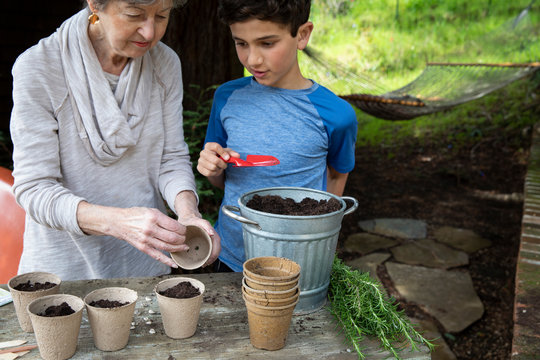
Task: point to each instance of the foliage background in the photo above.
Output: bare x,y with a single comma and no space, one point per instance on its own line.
390,41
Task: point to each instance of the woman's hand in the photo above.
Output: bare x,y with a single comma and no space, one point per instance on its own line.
185,205
148,230
216,240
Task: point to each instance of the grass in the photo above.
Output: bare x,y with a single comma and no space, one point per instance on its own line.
392,51
511,107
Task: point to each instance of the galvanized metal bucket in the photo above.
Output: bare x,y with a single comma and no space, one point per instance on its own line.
310,241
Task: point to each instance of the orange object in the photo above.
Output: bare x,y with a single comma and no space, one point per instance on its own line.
18,349
11,228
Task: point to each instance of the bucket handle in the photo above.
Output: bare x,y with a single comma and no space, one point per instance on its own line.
353,207
228,210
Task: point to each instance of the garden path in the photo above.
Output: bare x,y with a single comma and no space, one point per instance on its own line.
426,268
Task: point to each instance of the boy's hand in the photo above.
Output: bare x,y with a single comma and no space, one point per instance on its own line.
211,159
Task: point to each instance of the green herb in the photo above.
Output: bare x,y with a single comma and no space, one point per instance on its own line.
363,309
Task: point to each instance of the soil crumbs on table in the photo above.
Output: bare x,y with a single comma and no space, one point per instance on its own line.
477,187
58,310
27,286
274,204
182,290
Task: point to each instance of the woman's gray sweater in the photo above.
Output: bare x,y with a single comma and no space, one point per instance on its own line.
54,171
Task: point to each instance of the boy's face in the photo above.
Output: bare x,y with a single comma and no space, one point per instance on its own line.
269,52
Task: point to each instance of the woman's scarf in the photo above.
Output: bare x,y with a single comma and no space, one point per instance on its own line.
108,123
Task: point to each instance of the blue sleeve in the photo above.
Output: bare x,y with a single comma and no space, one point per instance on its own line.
341,126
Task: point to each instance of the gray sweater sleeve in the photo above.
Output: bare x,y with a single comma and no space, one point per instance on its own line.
39,93
176,173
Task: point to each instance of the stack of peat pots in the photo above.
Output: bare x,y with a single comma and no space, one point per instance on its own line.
270,290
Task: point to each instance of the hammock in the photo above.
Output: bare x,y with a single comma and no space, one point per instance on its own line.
445,84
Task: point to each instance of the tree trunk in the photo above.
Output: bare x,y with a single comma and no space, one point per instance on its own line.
204,44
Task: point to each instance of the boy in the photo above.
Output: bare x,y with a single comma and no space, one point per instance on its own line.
275,112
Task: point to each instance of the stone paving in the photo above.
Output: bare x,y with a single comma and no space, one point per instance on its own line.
429,270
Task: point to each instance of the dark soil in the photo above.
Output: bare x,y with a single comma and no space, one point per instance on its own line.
58,310
477,187
274,204
27,286
183,290
107,303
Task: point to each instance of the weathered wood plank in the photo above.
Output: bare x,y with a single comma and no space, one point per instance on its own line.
222,332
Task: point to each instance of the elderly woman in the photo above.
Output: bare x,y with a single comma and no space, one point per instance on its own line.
98,146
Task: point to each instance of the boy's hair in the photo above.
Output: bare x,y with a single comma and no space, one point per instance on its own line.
292,13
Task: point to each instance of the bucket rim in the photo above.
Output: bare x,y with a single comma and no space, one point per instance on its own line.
243,205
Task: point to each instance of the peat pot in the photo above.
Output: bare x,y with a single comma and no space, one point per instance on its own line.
111,325
310,241
21,299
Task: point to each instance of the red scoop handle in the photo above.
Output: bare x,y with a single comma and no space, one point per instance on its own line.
253,160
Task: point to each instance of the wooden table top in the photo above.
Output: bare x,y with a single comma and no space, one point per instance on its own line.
222,332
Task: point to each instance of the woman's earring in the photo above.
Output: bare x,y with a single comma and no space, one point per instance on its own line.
93,19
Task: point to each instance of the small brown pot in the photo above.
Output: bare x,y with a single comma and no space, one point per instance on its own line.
21,299
269,327
269,302
272,285
269,294
271,269
179,316
57,336
111,326
200,249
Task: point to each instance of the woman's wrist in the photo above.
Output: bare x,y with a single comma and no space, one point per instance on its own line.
93,219
185,205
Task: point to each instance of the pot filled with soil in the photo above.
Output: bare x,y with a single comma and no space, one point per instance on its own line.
179,301
296,223
200,249
56,320
110,312
25,288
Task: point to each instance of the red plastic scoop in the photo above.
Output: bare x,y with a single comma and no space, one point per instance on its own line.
253,160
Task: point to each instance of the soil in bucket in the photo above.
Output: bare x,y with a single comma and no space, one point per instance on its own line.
275,204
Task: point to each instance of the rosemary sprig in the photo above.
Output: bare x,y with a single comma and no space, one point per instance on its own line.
362,309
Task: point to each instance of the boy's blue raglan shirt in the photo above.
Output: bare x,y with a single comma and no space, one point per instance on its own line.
305,129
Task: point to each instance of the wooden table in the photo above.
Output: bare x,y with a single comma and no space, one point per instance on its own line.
222,332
